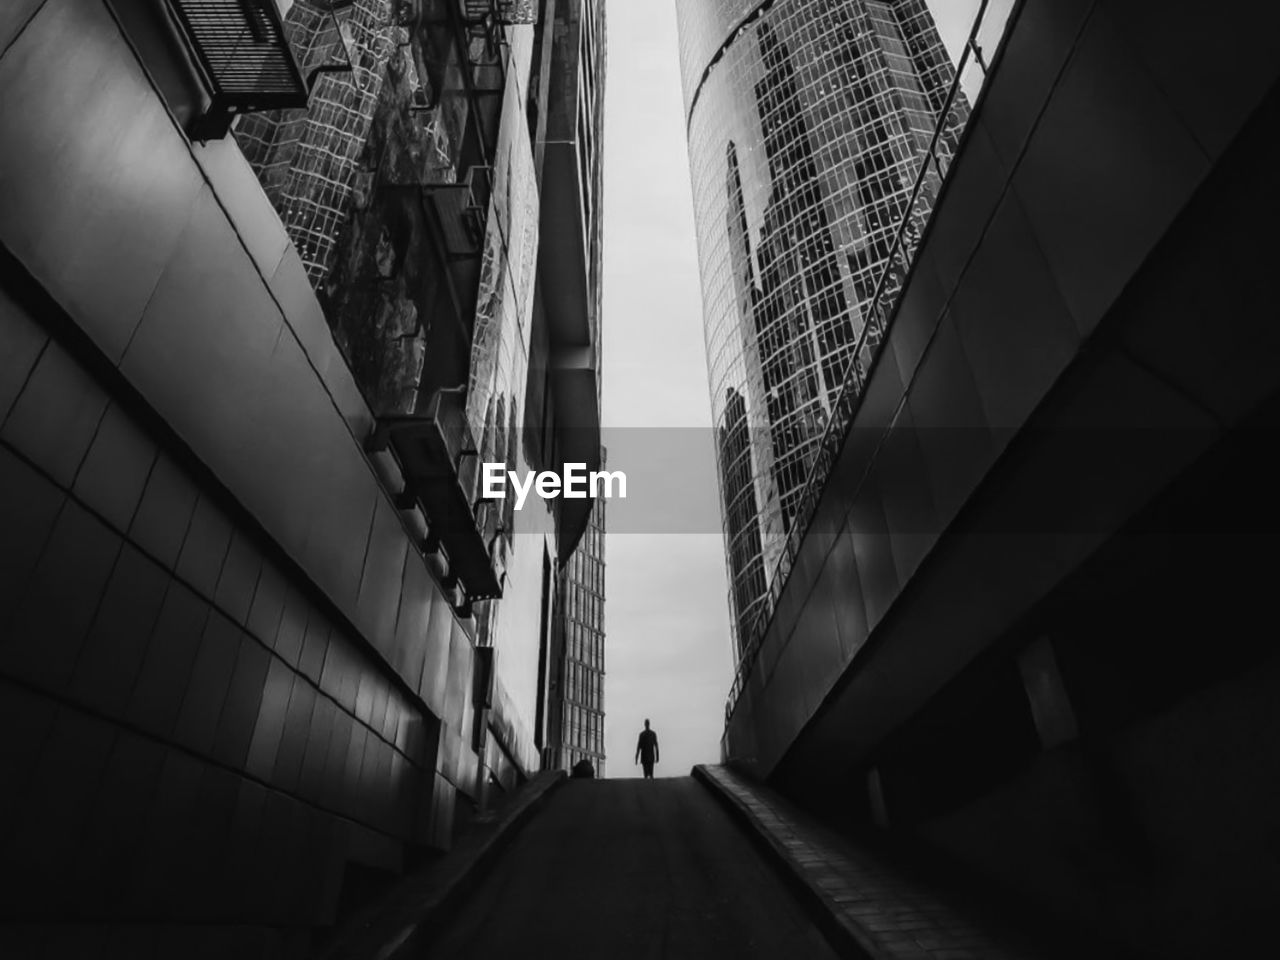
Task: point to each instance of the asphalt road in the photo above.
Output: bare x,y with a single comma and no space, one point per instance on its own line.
618,869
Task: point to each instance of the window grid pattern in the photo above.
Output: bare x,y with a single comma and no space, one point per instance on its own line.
582,708
592,67
307,159
806,139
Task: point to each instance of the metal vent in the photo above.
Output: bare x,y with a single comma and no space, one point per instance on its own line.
241,50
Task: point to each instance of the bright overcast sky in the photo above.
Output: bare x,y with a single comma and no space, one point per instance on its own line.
666,616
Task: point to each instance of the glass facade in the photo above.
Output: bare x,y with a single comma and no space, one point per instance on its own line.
809,123
417,187
581,668
309,160
498,370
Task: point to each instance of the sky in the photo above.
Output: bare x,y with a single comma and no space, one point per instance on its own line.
668,648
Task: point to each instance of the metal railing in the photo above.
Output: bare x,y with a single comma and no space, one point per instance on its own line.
504,12
878,314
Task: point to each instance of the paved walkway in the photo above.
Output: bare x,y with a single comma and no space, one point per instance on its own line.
394,927
624,869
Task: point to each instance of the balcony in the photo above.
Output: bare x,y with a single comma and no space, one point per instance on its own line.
438,456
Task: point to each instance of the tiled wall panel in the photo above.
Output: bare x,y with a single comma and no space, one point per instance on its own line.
13,16
214,328
105,243
1097,211
1214,82
214,653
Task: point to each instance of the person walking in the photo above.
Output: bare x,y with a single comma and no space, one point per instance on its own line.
647,750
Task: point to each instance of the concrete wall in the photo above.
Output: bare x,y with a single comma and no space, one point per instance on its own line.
1087,318
1087,143
232,687
1144,812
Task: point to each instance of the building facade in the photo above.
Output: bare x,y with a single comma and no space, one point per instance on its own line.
309,159
808,123
985,639
263,643
567,117
578,710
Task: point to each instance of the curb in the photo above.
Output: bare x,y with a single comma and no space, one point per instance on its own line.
404,925
845,939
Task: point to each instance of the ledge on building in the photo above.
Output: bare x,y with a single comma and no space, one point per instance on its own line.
436,453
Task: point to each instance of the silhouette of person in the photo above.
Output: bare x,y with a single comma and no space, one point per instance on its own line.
647,750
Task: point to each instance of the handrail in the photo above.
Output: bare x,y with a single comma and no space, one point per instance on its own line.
845,408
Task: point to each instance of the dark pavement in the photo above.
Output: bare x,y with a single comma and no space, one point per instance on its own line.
631,868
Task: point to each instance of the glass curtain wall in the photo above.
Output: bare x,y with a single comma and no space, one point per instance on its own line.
815,130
